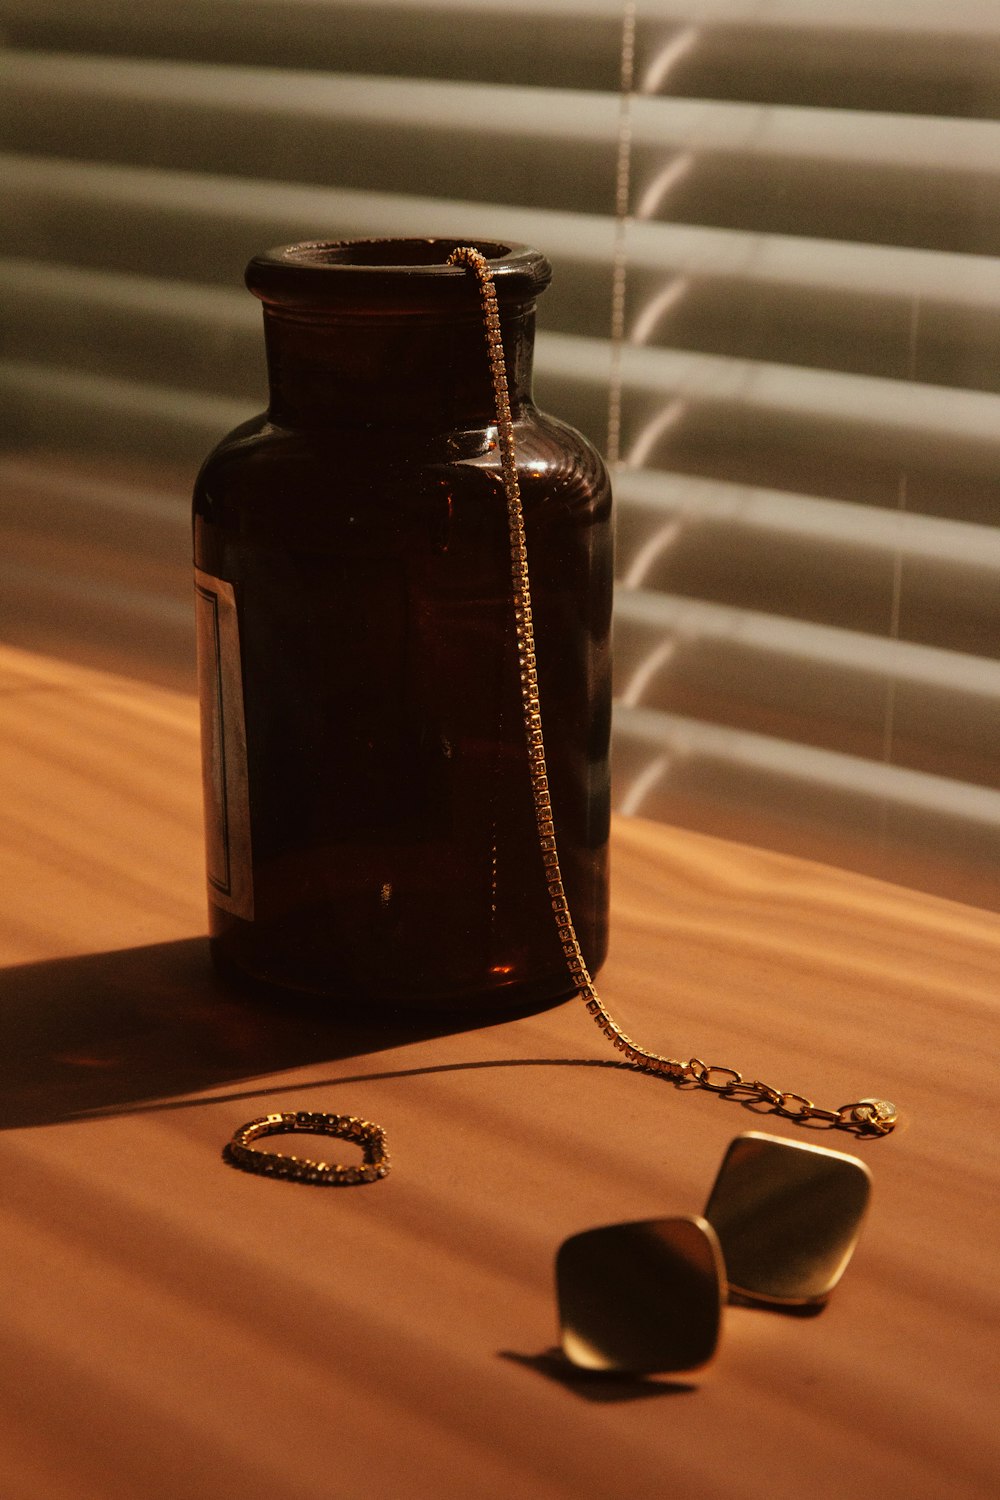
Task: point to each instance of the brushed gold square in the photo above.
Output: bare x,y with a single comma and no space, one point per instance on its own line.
788,1215
641,1298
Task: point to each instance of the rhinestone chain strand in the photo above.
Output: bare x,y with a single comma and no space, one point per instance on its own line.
862,1116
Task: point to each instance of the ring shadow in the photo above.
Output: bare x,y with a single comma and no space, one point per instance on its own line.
110,1030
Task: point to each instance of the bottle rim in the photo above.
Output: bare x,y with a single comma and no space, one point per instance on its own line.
391,270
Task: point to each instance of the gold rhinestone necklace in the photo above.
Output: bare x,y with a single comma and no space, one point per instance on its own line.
862,1116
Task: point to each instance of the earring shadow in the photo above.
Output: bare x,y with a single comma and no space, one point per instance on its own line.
783,1309
111,1030
596,1385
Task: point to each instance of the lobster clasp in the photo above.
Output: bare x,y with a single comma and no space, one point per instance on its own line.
876,1116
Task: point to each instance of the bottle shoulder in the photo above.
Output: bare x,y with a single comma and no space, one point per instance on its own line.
566,455
261,448
262,470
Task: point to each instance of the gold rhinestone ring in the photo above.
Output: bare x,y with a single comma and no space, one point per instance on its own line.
241,1151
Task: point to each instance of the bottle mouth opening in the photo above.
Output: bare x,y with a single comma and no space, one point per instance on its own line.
390,254
319,272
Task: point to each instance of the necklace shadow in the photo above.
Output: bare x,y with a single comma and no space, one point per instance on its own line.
108,1032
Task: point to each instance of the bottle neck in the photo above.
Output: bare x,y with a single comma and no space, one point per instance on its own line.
383,368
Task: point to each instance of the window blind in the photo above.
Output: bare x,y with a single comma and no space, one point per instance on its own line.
807,653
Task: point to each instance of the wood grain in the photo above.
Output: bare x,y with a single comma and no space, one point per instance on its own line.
173,1328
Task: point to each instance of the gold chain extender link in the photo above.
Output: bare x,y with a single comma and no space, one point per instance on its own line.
862,1116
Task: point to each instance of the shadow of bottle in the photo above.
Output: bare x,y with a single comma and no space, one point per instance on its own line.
110,1030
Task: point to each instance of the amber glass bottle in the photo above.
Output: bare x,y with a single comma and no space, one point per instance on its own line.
369,816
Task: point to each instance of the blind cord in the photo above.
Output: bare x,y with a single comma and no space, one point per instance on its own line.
619,261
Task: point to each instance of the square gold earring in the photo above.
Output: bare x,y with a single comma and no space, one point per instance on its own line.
641,1298
788,1215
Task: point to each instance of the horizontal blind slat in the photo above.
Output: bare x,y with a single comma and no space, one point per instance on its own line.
655,498
799,59
71,408
978,17
532,41
652,613
791,761
920,413
858,19
514,112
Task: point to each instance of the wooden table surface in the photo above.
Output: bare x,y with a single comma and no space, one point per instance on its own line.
173,1328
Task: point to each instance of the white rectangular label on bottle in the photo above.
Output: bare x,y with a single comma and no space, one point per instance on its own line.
223,747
